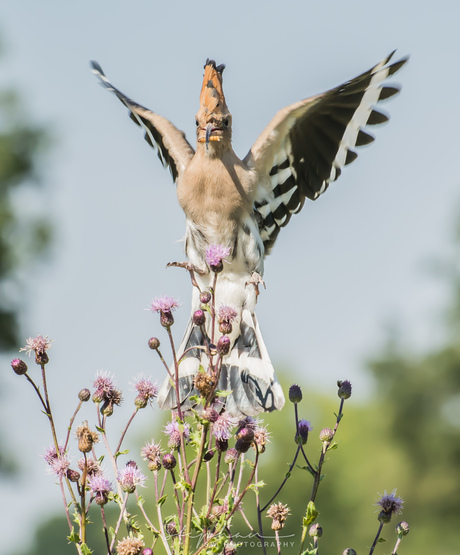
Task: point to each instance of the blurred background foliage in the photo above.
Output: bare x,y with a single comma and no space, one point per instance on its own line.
25,232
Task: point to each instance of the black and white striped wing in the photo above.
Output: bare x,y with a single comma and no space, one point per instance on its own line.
174,151
305,146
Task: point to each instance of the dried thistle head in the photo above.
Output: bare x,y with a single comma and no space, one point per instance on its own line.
204,383
86,438
130,546
278,513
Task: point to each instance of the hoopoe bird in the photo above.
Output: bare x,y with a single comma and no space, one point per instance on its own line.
243,204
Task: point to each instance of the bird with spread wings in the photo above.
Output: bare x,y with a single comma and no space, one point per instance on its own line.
242,204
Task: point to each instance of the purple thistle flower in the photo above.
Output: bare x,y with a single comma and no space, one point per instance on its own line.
103,383
101,487
303,428
60,466
50,455
390,503
37,344
215,254
163,304
151,452
222,427
19,366
147,391
226,314
130,477
172,429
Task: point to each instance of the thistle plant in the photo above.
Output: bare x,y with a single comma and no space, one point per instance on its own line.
202,469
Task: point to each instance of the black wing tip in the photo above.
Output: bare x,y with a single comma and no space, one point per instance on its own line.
219,68
95,66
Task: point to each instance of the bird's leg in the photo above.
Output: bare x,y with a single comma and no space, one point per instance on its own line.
256,280
191,269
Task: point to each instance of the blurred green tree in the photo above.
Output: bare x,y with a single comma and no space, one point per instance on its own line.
24,233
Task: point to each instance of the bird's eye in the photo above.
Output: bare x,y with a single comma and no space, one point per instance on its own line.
226,122
196,122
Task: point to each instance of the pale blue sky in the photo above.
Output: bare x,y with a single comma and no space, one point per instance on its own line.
342,269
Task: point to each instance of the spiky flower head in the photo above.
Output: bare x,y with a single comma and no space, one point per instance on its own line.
226,315
39,345
93,467
303,428
402,529
165,307
222,427
344,391
100,486
130,546
173,430
223,345
295,394
215,256
86,438
104,385
51,454
151,452
130,477
146,390
390,504
60,466
261,437
19,366
278,513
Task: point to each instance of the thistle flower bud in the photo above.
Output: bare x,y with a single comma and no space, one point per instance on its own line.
84,395
107,409
384,517
225,328
402,529
295,394
315,531
344,391
19,366
229,548
210,414
223,345
303,428
326,435
171,529
73,475
141,402
166,319
199,318
231,456
154,343
208,455
169,461
147,551
242,446
41,358
349,551
205,297
98,396
222,445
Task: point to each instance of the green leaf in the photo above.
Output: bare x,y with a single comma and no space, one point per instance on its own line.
333,446
125,452
311,515
140,500
74,537
381,540
85,549
256,486
310,551
101,430
223,393
162,500
308,469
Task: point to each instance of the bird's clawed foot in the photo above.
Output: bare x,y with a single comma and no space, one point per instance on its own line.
256,280
191,269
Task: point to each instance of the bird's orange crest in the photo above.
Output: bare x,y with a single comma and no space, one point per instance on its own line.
212,99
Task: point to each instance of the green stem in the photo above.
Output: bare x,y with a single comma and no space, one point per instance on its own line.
376,538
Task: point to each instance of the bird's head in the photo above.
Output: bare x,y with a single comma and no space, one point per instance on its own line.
213,120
